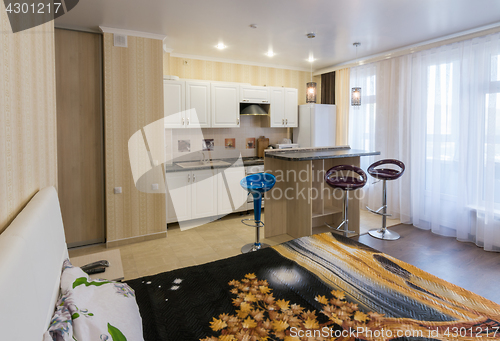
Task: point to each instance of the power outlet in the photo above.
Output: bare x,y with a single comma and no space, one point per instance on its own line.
155,187
117,190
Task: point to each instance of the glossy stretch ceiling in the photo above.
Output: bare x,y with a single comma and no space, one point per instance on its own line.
194,27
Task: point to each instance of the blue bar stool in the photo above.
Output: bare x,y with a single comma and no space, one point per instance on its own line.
338,177
384,174
256,184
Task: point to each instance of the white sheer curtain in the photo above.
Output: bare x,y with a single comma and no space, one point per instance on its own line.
438,111
382,124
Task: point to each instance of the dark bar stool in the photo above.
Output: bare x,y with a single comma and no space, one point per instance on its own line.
384,174
337,177
256,184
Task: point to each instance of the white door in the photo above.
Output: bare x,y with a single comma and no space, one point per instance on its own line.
204,193
277,107
291,107
174,98
197,104
179,188
225,105
254,94
233,192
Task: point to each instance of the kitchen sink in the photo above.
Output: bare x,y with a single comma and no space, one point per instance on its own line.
193,164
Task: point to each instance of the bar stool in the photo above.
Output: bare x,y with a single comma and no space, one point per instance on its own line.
256,184
336,177
384,174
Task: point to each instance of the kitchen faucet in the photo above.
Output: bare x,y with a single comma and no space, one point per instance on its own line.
204,159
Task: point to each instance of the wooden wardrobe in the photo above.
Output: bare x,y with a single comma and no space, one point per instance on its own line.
80,135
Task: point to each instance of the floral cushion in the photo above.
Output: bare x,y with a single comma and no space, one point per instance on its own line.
97,310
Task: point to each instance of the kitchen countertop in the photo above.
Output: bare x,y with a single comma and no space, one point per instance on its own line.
247,161
305,154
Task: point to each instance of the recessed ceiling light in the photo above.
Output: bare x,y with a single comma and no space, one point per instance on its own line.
220,46
311,59
270,54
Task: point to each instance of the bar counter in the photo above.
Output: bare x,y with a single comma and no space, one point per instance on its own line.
300,199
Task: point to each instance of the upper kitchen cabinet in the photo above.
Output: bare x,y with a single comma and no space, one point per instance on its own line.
284,107
291,108
225,105
254,94
186,104
198,104
174,103
277,107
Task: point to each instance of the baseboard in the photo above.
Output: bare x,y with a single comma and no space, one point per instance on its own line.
138,239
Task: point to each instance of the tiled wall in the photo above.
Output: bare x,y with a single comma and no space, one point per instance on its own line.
28,142
250,127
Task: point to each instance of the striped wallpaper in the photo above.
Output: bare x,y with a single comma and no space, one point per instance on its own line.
133,98
28,145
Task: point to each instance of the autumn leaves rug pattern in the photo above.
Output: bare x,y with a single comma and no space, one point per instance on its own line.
323,287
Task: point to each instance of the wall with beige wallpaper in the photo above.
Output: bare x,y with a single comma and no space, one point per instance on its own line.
28,145
133,92
231,72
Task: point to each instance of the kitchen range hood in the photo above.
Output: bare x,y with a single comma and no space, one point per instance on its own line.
254,109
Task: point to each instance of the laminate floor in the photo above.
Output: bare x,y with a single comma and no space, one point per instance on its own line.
463,264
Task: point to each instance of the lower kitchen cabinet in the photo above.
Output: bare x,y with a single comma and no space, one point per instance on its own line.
203,193
232,198
178,196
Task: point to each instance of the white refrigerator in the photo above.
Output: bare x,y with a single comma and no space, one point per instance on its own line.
317,125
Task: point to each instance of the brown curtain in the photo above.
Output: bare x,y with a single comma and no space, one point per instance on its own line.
328,88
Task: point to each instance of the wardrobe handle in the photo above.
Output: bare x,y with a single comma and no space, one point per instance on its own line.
187,121
182,121
283,121
238,120
194,177
286,121
189,177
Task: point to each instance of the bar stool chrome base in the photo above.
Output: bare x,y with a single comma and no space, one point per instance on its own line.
384,234
253,247
257,245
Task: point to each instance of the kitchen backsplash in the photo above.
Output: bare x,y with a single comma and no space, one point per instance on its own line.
185,144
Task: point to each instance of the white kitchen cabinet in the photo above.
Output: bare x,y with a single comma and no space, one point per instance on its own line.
254,94
225,105
284,107
171,216
179,188
233,193
174,103
277,107
191,194
291,107
197,104
204,193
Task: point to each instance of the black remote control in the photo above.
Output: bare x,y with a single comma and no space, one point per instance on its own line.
101,263
96,270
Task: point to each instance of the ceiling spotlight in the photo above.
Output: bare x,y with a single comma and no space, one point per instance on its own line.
253,26
311,35
220,46
270,54
311,59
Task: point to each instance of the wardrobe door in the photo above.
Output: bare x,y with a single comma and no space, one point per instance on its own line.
80,135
